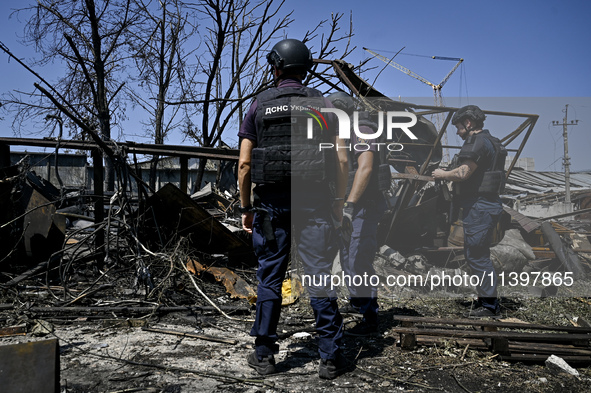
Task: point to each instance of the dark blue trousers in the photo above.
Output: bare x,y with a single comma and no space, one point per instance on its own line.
314,235
480,216
358,255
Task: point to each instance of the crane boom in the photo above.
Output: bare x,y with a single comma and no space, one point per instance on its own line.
451,72
446,58
400,68
436,88
417,76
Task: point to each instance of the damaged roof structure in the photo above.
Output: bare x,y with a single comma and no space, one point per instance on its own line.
140,254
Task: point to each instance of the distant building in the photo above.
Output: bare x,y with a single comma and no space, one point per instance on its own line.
169,172
525,163
76,172
73,168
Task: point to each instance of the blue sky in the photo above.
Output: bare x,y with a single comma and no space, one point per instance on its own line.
513,49
534,50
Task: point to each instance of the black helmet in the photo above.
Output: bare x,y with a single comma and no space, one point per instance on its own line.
471,112
290,54
342,100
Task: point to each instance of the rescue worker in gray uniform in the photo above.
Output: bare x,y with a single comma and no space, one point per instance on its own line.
364,206
291,200
478,180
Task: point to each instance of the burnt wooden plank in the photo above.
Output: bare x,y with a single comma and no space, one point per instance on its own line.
549,349
483,323
544,337
19,330
540,358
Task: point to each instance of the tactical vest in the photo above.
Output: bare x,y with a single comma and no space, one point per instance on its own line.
489,177
284,150
381,177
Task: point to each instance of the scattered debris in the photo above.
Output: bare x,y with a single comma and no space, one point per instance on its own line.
567,257
100,270
291,291
235,285
522,344
192,335
41,328
512,253
170,214
29,226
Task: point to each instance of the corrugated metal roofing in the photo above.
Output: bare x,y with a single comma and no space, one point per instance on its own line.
531,182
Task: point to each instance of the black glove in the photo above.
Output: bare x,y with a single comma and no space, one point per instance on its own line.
347,225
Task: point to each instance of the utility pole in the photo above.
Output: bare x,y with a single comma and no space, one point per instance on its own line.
566,158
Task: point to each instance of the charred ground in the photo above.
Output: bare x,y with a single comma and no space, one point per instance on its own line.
112,350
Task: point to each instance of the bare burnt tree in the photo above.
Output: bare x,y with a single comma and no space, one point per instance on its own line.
333,45
161,46
235,36
238,38
87,38
95,39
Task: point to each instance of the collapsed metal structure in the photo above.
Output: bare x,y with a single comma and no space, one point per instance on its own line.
34,215
420,216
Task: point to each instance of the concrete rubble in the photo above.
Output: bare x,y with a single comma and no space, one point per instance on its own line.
558,365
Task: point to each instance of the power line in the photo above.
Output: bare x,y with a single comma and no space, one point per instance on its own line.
566,159
413,54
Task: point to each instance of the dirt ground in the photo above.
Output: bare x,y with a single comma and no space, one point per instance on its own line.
117,354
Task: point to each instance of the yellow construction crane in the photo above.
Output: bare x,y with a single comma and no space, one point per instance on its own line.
436,87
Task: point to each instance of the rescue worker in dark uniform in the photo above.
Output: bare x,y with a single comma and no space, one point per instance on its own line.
365,204
283,201
478,181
